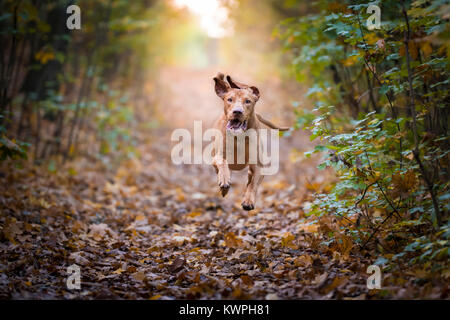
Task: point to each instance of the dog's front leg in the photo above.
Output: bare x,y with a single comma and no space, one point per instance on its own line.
254,180
223,174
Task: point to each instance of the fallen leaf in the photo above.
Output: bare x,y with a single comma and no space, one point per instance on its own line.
177,265
231,240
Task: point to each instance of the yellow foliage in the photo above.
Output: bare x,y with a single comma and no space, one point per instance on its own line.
44,56
288,241
350,61
426,49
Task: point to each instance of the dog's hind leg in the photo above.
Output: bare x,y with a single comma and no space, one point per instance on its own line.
254,180
223,174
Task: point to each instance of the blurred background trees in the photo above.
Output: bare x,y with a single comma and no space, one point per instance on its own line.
66,92
60,84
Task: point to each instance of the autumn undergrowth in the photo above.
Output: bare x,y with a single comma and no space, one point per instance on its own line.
381,122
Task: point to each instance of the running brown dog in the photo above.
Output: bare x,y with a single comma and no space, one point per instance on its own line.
238,117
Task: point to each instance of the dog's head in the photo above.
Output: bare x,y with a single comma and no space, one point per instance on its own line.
239,102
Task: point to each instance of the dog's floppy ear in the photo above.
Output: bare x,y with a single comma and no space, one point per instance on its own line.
220,75
235,84
239,85
221,86
255,92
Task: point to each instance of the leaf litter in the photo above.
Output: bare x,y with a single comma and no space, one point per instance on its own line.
148,229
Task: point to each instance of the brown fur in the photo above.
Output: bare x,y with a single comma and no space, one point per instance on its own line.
239,104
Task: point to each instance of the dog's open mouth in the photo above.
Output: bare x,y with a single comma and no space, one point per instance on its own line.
236,125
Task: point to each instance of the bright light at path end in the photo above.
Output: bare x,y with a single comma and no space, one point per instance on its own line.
213,15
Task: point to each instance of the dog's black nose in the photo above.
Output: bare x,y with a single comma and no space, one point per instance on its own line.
237,111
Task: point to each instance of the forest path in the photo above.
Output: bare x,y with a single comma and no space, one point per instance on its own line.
149,229
154,230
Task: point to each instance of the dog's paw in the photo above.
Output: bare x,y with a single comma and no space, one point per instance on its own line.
224,187
248,205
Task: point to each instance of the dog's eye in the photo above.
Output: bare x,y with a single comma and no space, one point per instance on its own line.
247,101
229,99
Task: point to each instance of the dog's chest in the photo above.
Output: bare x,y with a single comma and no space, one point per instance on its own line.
241,150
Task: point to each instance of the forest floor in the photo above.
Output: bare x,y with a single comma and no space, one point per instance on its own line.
148,229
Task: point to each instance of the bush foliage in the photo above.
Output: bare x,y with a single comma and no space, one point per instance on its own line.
381,118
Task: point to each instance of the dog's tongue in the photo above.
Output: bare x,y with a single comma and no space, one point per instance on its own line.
235,124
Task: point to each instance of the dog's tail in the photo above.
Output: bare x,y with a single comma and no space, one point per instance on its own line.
270,124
